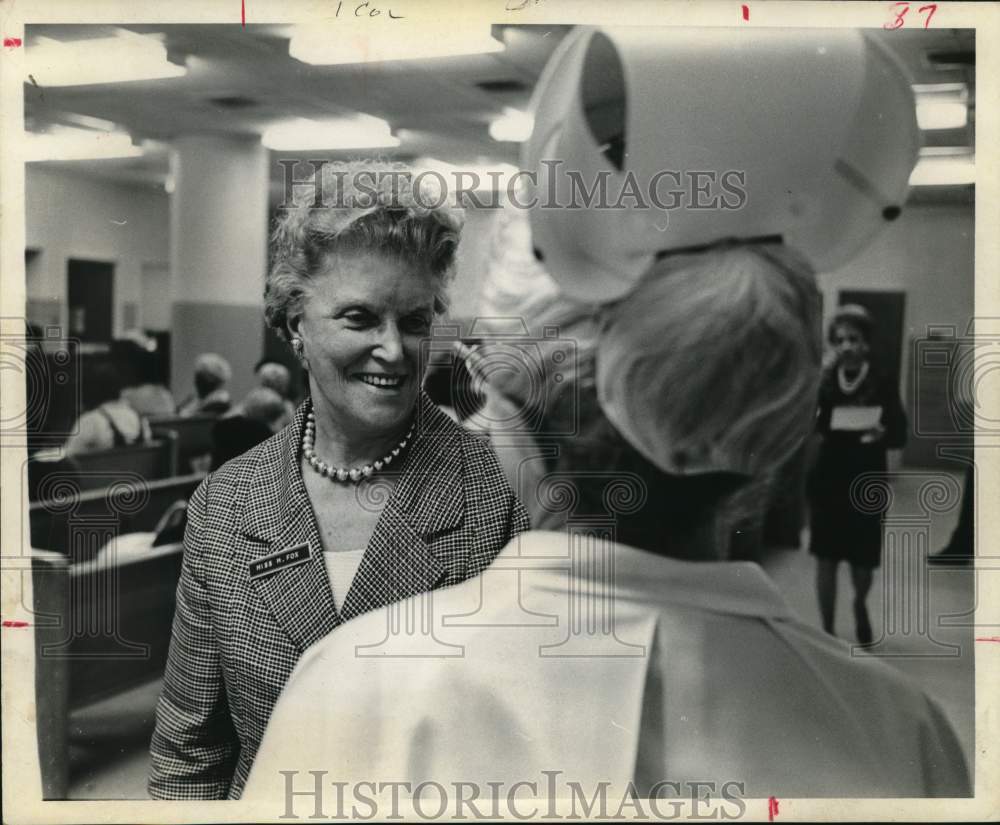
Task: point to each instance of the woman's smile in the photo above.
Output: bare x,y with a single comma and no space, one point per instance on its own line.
382,382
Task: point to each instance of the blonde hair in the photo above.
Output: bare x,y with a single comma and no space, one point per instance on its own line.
263,404
712,364
212,370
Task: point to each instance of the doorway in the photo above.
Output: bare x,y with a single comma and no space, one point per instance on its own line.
90,294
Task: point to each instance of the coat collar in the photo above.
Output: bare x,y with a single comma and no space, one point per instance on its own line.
428,499
639,576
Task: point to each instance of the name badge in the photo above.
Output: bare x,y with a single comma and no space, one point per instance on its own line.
282,560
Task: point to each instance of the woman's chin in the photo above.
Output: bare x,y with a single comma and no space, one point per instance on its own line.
384,406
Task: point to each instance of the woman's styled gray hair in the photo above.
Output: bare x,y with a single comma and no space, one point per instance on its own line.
712,364
356,208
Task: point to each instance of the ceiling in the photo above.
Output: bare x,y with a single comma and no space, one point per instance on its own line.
241,80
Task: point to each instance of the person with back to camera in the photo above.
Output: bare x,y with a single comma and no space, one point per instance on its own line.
851,446
273,375
111,422
211,374
256,418
145,391
371,495
633,657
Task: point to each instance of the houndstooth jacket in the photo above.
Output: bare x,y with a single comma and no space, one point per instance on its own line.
237,635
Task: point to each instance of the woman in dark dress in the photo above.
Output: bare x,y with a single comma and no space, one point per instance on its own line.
851,392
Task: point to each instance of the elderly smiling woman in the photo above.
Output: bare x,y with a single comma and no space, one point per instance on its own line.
369,496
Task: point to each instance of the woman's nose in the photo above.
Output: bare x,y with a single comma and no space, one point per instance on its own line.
390,343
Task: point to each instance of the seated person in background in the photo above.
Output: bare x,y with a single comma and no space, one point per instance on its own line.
211,374
262,413
145,390
644,691
274,375
111,422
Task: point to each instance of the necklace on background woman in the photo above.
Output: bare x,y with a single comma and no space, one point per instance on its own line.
850,386
345,474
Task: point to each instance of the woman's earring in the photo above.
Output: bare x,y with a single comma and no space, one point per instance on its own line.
297,347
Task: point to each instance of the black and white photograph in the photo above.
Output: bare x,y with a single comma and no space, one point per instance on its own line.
499,411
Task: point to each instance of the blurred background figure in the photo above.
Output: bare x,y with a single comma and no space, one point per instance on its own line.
860,418
146,390
211,374
110,420
961,546
261,414
274,375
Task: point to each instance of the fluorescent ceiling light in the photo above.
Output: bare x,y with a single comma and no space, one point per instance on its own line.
66,143
88,122
944,168
512,125
358,132
124,58
338,45
942,105
941,89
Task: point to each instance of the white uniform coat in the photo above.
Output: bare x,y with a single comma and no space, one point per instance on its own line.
681,672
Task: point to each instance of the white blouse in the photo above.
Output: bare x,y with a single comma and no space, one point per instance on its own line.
341,568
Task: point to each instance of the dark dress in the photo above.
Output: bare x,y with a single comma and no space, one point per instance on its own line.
839,530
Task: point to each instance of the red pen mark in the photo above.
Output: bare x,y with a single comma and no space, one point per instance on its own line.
14,623
988,639
243,13
746,12
772,808
11,42
899,9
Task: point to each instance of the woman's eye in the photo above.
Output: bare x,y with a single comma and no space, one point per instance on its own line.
358,319
417,324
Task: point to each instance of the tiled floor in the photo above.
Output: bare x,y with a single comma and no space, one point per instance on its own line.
115,764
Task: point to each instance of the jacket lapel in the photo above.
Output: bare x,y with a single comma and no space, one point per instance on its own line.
428,500
281,518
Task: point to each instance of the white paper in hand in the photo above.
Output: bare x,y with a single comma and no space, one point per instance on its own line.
855,419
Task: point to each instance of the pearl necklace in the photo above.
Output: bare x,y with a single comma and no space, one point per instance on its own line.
344,474
848,387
